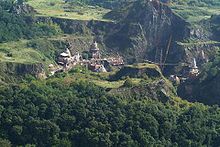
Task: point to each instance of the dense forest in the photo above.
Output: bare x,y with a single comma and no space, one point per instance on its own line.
76,108
52,113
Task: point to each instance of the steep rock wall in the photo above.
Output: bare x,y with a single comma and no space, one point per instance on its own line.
147,29
11,72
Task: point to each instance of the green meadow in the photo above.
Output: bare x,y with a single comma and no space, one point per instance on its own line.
60,9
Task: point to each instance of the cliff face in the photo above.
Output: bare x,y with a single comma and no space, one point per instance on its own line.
154,86
206,92
72,26
147,28
138,71
215,26
11,72
150,30
203,52
22,9
144,30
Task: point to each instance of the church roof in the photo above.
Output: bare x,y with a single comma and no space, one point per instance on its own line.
64,54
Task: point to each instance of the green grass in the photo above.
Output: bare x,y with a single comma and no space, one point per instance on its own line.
144,65
114,84
60,9
197,42
194,14
20,52
17,51
107,84
96,78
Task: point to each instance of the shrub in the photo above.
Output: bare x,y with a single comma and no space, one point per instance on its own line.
128,82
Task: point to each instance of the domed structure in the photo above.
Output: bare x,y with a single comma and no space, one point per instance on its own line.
68,52
64,57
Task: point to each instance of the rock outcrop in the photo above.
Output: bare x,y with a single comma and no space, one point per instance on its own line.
160,90
146,29
11,72
151,30
22,9
138,71
153,85
206,92
214,22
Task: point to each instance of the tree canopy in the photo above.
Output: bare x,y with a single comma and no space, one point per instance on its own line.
50,113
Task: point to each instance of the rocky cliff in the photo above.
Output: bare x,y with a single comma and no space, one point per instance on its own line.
12,72
214,23
153,84
22,9
151,30
143,30
138,71
146,29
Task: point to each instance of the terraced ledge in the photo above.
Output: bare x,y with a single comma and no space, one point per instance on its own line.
17,51
187,44
60,9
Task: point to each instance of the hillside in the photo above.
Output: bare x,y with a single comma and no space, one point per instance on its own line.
109,73
204,88
62,9
78,112
192,11
195,10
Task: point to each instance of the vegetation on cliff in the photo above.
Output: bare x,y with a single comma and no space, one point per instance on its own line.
69,10
14,27
135,106
58,111
205,88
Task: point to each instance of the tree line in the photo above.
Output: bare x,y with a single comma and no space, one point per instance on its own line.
51,113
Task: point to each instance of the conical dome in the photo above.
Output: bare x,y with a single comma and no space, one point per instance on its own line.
68,52
94,46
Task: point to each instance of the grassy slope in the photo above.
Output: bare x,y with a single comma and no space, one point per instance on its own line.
102,80
194,14
20,52
193,43
99,79
58,8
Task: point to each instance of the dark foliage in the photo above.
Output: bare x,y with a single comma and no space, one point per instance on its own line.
81,114
14,27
